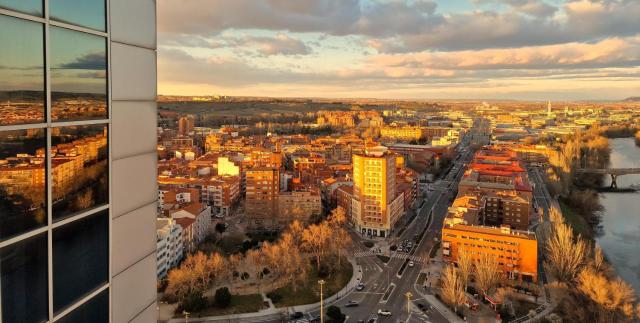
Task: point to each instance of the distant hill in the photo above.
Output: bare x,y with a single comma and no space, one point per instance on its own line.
632,99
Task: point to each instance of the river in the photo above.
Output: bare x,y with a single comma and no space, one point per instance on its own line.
620,238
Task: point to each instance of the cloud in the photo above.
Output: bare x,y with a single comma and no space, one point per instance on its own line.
208,17
408,48
91,61
281,44
613,52
535,8
409,26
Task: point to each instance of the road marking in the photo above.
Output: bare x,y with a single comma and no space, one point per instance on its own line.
401,256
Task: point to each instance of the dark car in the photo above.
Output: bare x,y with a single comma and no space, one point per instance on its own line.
296,315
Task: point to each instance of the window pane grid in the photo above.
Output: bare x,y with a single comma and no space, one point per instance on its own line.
48,126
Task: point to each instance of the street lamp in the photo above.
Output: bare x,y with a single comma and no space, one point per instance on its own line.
186,316
409,295
321,282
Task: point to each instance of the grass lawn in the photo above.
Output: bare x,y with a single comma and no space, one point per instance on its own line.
309,291
239,304
578,223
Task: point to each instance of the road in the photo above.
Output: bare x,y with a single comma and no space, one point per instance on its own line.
378,277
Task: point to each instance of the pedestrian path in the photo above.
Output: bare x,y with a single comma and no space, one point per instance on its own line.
396,255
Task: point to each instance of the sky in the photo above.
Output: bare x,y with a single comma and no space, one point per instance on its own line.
401,49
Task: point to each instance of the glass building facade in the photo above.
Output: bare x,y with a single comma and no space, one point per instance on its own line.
58,258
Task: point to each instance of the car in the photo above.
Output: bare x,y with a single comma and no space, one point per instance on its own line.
400,249
371,320
384,312
352,304
360,286
411,264
360,321
296,315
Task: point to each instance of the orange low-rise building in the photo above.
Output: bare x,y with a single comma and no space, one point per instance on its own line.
515,251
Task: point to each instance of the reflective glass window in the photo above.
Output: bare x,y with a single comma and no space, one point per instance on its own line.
23,268
31,7
22,181
79,162
78,75
80,259
22,93
84,13
96,310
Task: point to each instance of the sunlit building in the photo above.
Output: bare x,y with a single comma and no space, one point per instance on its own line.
516,252
375,205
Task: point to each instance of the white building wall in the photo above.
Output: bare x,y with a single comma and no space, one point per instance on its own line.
132,50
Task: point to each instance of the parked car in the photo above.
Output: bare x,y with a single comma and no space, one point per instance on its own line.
384,312
352,304
411,264
360,287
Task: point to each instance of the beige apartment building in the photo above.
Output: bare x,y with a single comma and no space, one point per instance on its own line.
303,206
375,205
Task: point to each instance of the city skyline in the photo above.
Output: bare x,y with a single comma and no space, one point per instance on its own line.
463,49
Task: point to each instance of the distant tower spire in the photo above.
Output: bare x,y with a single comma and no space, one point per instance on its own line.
549,109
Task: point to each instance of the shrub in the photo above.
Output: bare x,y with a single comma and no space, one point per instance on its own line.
335,314
368,244
275,297
220,227
223,297
192,303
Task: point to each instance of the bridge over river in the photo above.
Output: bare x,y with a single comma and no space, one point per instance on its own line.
613,172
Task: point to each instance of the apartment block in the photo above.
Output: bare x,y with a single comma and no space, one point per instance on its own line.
375,205
261,203
169,246
516,252
304,206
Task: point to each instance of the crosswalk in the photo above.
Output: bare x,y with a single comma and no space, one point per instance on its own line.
369,253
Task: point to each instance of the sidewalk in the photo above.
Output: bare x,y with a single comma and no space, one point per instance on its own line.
442,309
273,311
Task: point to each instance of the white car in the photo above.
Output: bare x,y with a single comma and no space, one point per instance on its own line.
411,264
384,312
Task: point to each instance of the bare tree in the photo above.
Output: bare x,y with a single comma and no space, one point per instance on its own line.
341,242
614,299
234,262
218,268
273,255
296,229
314,239
254,259
337,218
486,272
565,255
465,265
452,287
